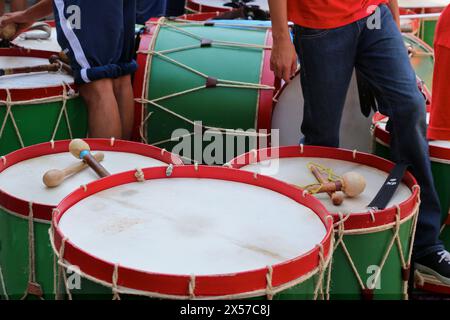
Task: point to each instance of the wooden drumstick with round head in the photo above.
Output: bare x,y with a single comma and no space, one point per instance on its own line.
81,150
55,177
336,198
352,184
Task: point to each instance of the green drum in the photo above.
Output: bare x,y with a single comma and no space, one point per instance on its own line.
37,107
440,157
26,205
203,71
373,248
158,241
428,13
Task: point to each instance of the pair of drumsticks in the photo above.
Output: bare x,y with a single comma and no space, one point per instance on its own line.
80,150
351,184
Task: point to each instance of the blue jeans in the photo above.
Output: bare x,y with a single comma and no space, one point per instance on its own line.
328,58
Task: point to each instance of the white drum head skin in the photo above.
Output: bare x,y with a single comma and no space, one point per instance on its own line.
295,171
418,4
192,226
50,44
24,180
263,4
30,80
288,117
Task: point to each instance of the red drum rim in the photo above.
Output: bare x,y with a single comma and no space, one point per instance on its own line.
43,212
249,283
26,94
355,221
142,77
435,287
382,136
203,16
200,8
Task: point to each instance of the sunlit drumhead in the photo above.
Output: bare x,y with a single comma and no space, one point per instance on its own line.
295,171
185,226
30,80
24,179
263,4
288,117
50,44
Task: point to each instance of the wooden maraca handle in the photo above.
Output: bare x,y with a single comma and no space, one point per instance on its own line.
335,197
55,177
81,150
352,184
56,59
90,160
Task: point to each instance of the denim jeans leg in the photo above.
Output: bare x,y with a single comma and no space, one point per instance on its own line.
327,60
383,59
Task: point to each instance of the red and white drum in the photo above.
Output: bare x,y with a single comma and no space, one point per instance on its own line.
41,36
26,205
196,232
219,5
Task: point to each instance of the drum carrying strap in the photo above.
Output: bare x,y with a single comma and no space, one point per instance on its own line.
389,188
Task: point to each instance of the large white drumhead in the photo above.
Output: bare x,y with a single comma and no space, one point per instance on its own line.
263,4
30,80
295,171
50,44
288,117
415,4
24,179
192,226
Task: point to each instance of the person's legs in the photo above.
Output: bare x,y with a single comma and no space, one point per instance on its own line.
327,63
383,60
104,116
123,93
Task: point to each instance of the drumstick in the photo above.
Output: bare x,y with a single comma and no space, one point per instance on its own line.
8,31
55,177
352,184
56,59
81,150
335,197
54,67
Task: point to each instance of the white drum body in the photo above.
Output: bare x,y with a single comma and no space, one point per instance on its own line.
288,117
423,4
27,40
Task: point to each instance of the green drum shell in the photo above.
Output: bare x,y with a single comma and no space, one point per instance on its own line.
312,266
361,242
422,59
41,114
192,71
440,166
18,217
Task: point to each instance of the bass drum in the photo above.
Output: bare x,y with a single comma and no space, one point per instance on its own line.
220,5
41,36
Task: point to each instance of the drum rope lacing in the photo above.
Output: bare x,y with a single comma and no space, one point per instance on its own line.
406,262
33,288
67,94
324,266
2,282
210,82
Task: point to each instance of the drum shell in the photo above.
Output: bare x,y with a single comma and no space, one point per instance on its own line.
217,107
366,238
15,217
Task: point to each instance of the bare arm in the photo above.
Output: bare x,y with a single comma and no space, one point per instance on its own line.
284,57
393,4
25,18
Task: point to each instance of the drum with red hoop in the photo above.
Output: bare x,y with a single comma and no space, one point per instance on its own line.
221,5
26,204
196,232
373,247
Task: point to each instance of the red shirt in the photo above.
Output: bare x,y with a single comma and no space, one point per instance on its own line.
439,128
328,14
